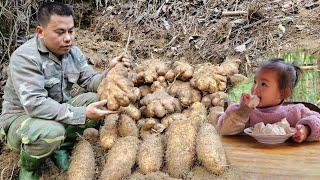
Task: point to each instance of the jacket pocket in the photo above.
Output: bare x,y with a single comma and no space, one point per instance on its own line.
72,77
49,83
53,86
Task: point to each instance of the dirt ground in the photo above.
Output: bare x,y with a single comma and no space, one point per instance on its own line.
195,31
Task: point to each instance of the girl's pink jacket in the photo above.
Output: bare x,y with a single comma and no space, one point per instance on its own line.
294,113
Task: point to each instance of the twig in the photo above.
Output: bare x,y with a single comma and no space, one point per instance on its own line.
234,13
2,172
12,171
128,41
160,8
309,67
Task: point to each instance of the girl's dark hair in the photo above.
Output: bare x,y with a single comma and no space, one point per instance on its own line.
288,73
48,9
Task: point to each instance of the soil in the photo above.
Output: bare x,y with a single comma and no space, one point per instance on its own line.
196,31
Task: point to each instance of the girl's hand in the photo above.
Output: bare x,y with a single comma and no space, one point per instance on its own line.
301,134
249,100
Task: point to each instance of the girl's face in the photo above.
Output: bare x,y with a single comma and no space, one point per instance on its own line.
266,88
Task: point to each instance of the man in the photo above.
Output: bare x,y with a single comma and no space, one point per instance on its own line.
38,112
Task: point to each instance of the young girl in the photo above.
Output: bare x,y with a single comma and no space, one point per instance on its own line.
273,83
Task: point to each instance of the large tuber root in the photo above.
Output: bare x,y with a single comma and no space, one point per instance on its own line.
210,151
180,70
149,71
121,158
109,131
159,103
82,165
180,148
117,88
184,92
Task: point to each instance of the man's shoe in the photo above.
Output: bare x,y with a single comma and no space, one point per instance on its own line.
61,159
29,166
28,175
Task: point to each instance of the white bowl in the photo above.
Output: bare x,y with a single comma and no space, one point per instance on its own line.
269,139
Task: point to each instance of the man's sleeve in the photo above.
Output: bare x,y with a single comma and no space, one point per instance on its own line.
28,81
89,78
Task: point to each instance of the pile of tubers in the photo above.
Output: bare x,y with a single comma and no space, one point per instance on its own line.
165,123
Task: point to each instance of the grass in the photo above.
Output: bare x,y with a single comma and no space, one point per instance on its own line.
308,87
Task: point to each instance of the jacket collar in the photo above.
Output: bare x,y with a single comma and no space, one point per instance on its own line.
42,48
271,108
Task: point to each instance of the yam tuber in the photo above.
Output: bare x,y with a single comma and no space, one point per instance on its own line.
203,78
231,65
82,165
181,70
120,159
184,92
214,99
150,156
180,148
127,126
196,114
131,111
210,151
117,88
159,103
91,134
109,131
149,71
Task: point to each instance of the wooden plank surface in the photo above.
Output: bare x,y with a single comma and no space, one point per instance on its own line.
283,161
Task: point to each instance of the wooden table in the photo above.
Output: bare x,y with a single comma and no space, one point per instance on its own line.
283,161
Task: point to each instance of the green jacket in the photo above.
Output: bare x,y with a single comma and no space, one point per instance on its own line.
39,84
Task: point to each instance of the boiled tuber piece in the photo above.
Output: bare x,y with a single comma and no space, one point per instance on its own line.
131,111
117,88
150,156
210,151
149,71
127,126
109,131
159,103
181,70
196,114
213,114
121,158
184,92
180,148
82,165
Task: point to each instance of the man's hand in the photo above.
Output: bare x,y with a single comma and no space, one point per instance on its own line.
122,58
97,110
301,134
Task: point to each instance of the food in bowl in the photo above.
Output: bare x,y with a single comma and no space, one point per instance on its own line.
279,128
271,133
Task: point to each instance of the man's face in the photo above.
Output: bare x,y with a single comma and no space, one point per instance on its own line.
58,34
